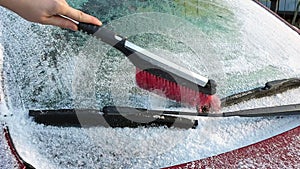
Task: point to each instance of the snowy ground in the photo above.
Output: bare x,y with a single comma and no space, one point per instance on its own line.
244,51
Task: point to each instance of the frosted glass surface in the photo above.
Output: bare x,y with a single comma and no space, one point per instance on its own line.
236,43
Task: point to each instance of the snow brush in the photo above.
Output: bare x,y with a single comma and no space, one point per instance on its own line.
159,75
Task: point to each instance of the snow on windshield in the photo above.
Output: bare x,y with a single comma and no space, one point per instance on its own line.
238,44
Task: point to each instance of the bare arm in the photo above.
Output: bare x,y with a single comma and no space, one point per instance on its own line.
48,11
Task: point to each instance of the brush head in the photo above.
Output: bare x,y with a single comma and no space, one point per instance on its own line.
156,81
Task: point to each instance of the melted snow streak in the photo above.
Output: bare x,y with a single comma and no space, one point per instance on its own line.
236,43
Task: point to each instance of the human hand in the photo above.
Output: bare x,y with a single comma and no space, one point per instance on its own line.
49,12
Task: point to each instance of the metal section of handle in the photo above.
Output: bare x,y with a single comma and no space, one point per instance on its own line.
168,66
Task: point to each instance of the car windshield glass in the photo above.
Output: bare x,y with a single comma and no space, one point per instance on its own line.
238,44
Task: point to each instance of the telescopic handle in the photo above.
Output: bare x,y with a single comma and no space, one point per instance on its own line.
106,36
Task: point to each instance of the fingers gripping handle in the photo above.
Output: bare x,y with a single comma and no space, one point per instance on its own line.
85,27
105,35
88,28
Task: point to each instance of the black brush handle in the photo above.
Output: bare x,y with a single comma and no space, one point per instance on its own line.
88,28
107,36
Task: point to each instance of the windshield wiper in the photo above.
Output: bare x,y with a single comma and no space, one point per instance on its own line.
270,88
117,116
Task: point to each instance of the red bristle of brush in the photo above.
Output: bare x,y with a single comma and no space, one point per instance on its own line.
174,91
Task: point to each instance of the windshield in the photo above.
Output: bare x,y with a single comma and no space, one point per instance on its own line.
238,44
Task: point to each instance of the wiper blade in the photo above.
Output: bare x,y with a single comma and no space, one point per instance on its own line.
110,117
270,88
117,116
